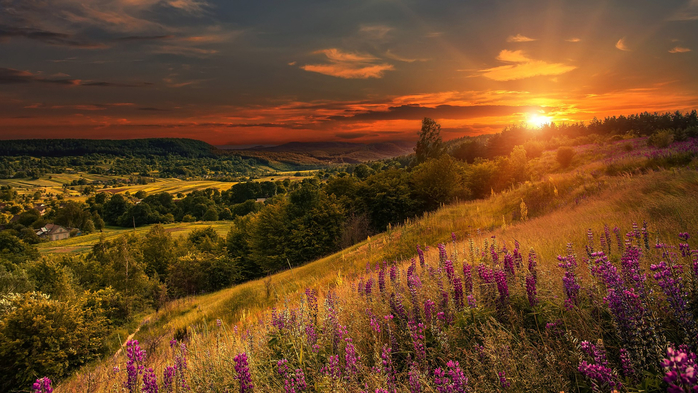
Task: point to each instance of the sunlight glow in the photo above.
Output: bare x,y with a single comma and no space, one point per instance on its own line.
538,121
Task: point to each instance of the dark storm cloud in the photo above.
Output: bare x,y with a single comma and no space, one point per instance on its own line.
145,38
417,112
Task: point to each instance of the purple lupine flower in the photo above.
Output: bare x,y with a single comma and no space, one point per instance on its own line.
42,385
388,369
168,378
569,263
532,264
332,368
590,241
458,293
429,310
676,295
471,301
503,380
531,290
311,334
451,381
501,279
293,382
485,273
351,359
242,369
602,240
626,363
134,365
359,288
415,384
414,283
598,371
381,280
150,382
616,232
369,288
417,335
607,236
453,236
398,308
681,370
468,277
420,253
448,267
393,274
442,254
509,264
311,296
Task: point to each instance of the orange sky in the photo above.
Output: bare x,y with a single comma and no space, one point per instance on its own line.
231,73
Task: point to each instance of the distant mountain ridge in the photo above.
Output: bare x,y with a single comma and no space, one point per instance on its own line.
126,147
324,153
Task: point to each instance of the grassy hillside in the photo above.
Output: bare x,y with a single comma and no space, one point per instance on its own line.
554,212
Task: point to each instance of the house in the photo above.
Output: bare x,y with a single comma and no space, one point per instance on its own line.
41,208
53,232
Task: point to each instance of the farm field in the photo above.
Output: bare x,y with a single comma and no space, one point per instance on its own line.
54,185
84,243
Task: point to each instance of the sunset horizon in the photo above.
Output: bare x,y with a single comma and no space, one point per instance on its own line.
369,72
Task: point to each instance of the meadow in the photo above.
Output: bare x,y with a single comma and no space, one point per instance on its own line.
516,298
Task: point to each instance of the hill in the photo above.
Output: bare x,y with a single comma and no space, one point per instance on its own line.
316,154
522,305
128,147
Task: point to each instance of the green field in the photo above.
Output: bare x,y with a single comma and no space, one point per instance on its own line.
83,243
170,185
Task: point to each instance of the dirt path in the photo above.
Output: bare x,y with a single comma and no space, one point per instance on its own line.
127,340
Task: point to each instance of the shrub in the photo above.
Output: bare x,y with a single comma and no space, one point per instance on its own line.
661,139
565,155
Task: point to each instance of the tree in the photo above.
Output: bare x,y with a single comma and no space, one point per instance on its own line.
429,144
210,215
439,181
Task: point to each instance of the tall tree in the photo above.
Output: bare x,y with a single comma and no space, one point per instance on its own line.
429,144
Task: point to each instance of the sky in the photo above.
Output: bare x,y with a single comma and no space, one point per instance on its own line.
275,71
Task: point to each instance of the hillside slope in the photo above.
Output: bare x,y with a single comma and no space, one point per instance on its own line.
561,210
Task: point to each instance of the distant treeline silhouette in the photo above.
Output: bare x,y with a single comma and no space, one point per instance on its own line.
641,124
130,147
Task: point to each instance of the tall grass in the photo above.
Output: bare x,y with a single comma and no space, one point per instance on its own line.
495,344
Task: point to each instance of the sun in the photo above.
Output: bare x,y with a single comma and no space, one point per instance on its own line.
538,121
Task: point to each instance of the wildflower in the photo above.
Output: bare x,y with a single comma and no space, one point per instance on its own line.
532,264
503,380
569,280
311,295
626,363
598,371
501,279
451,381
531,290
415,384
369,287
293,382
393,274
471,301
168,377
420,253
381,280
676,296
442,254
468,277
509,264
351,359
42,385
681,370
243,373
458,293
332,369
429,310
134,366
150,383
388,369
417,334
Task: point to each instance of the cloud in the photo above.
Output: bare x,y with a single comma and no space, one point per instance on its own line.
389,54
46,37
524,67
679,49
9,76
515,56
621,45
375,32
145,37
687,13
520,38
190,6
349,65
573,40
417,112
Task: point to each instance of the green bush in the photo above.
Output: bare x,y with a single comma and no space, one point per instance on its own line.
661,139
565,155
